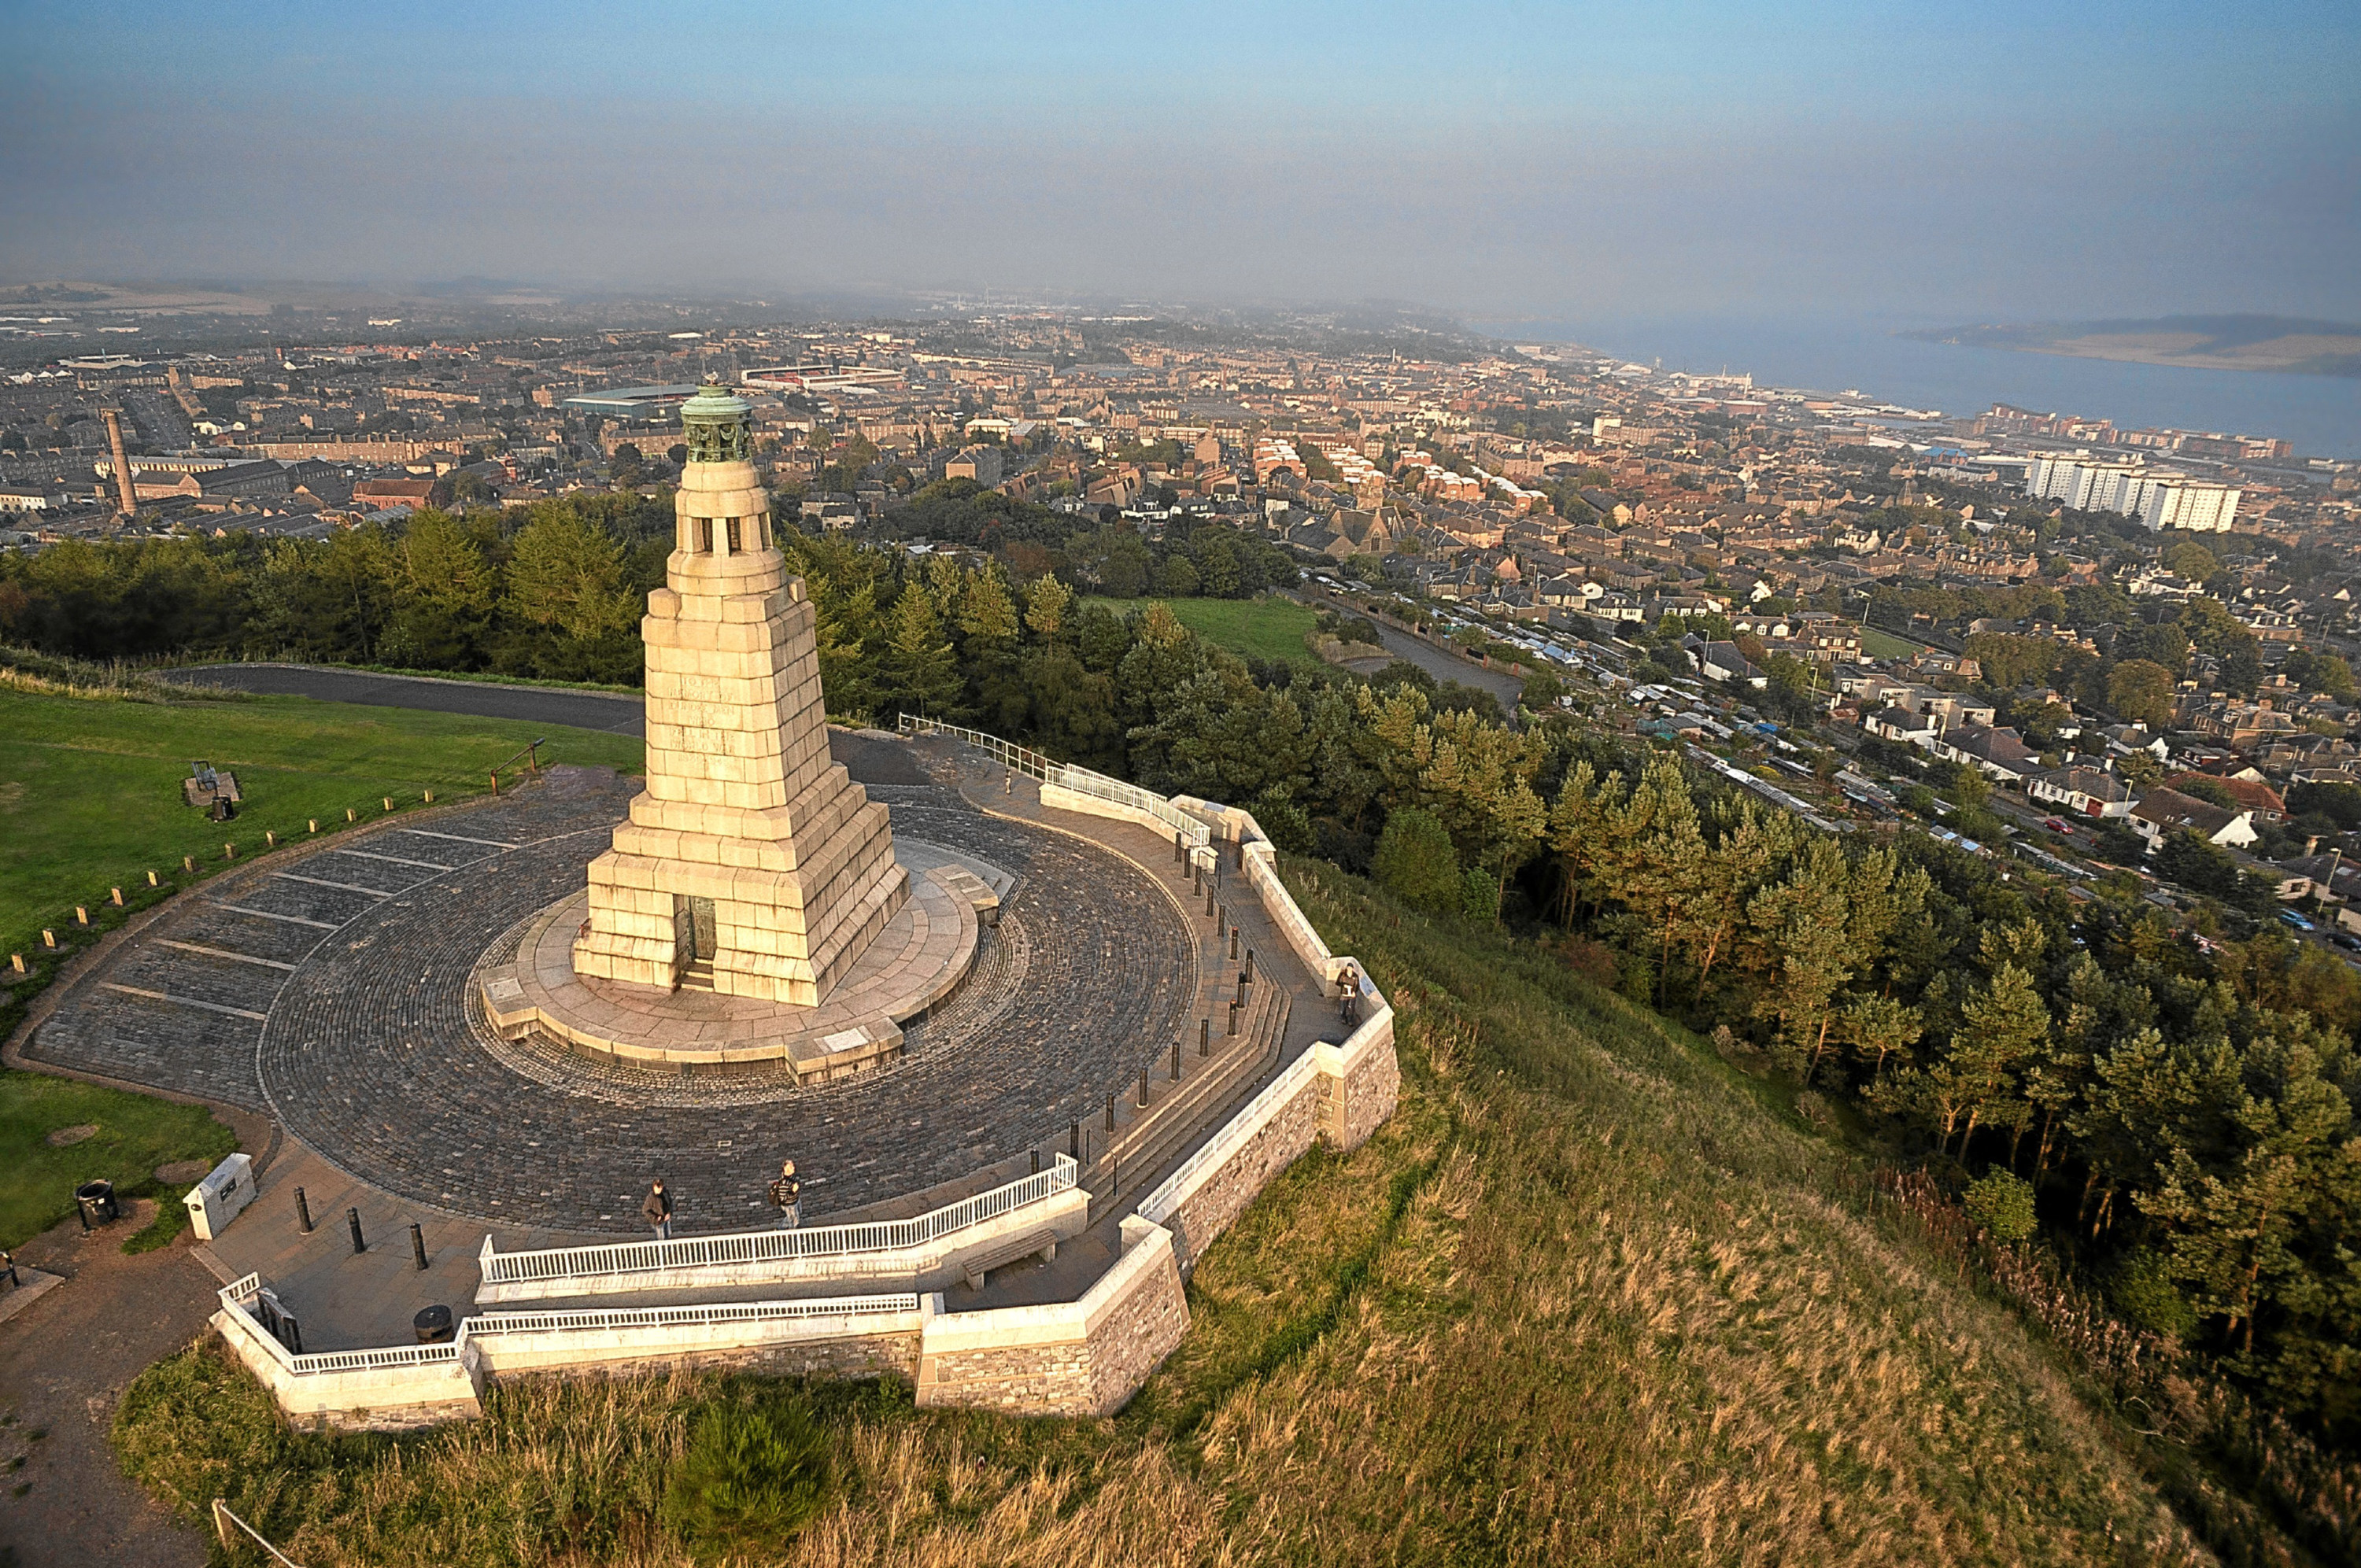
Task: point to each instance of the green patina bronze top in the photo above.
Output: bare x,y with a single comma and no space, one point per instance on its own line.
716,425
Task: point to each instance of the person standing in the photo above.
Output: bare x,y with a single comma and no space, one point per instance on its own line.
656,1210
786,1196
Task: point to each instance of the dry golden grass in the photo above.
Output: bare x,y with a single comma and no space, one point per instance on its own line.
1585,1300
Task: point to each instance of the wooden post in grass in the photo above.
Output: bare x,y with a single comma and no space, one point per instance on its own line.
389,803
16,962
188,862
269,839
229,851
154,881
312,824
82,915
115,895
351,815
49,937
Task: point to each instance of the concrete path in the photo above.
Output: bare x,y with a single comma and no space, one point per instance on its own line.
64,1363
624,713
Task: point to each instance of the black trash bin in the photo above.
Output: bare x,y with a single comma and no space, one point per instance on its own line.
97,1200
434,1325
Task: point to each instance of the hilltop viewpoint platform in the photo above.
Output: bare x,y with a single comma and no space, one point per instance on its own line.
918,959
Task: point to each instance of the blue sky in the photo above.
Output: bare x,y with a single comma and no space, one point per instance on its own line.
1996,161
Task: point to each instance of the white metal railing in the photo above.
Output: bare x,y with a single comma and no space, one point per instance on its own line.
1008,754
488,1325
492,1325
237,1297
1065,775
1157,1206
775,1245
1081,781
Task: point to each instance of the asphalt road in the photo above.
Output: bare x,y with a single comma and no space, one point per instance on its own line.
623,715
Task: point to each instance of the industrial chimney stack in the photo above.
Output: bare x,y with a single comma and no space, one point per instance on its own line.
123,488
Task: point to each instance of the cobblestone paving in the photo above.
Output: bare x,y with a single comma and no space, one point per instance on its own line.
365,1053
991,987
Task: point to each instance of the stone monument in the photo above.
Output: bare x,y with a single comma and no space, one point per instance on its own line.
751,865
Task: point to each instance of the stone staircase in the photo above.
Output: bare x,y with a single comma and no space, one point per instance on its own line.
1180,1116
698,976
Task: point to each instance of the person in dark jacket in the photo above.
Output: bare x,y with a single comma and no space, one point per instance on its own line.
656,1210
786,1195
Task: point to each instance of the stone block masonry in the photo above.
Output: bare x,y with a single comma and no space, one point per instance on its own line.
751,855
1071,1358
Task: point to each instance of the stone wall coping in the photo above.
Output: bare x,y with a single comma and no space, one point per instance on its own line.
1146,1247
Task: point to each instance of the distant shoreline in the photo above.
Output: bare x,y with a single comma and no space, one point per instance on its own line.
2276,345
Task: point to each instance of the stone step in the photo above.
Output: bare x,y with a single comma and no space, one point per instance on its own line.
698,976
1211,1090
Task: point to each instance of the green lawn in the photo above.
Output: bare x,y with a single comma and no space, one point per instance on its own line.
1880,644
1269,628
134,1136
89,792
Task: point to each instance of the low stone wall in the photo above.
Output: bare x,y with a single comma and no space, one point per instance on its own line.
1067,1358
1360,1079
865,1344
380,1398
1207,1194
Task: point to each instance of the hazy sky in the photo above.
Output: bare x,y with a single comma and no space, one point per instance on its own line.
1997,160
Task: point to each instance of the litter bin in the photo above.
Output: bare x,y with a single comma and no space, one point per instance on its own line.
434,1325
97,1200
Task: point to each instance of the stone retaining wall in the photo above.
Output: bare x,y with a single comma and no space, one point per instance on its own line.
1067,1358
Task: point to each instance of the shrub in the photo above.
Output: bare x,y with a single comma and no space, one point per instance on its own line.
1417,863
1288,824
751,1478
2143,1291
1479,896
2001,1203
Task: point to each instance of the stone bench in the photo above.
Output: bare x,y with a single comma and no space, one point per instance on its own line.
978,1264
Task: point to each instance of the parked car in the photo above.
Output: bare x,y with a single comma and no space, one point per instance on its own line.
2347,940
2055,825
2298,921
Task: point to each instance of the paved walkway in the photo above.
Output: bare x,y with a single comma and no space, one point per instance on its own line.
64,1363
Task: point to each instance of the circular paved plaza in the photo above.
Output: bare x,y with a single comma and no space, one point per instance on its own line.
367,1051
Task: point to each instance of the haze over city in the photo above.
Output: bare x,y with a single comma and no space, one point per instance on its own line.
1187,786
2012,161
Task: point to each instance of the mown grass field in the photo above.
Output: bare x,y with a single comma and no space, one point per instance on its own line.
1878,644
134,1136
1592,1297
1269,628
90,790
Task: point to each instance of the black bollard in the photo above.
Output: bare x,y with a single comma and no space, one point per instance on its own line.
1249,966
1176,1063
302,1211
353,1218
1209,900
1234,1017
1234,941
1221,921
418,1246
1241,1000
1110,1127
1204,1036
1142,1084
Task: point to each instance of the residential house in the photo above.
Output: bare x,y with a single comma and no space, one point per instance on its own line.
2161,812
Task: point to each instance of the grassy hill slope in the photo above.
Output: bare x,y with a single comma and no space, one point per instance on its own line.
1592,1297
